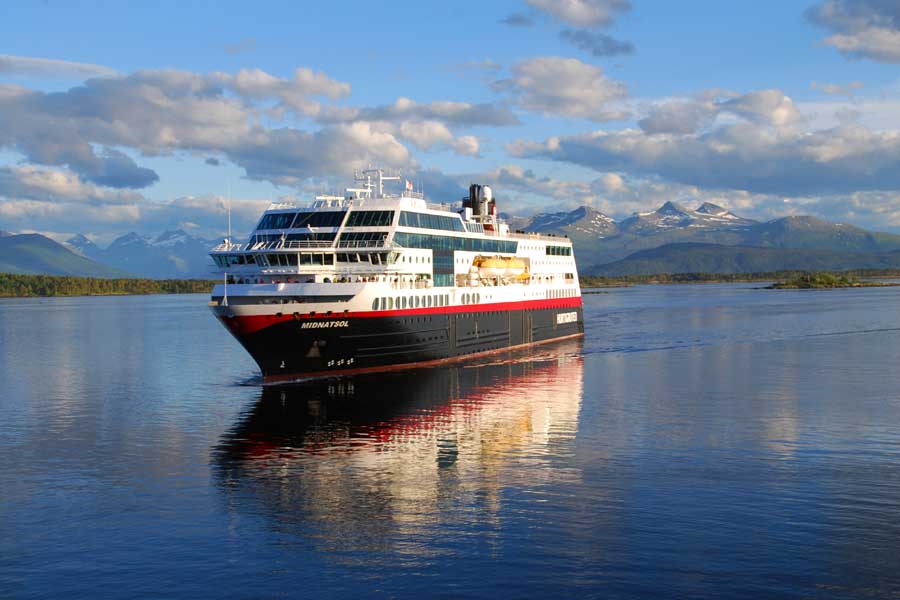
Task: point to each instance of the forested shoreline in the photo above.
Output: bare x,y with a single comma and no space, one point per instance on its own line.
27,286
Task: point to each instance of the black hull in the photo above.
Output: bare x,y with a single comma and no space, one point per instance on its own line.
298,348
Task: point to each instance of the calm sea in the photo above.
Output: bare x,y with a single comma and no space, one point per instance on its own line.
702,441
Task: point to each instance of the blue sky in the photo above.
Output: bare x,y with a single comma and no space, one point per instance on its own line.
142,116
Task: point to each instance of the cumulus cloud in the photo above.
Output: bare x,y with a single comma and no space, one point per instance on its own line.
861,28
39,184
739,156
764,107
564,86
294,93
36,198
598,44
48,67
462,114
90,128
583,13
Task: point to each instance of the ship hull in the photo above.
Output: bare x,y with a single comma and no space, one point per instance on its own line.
301,346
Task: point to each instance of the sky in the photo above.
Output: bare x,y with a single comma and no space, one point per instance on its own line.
151,116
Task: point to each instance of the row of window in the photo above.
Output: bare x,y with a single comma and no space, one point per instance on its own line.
303,219
363,236
401,302
427,221
559,251
295,237
446,242
292,259
376,258
560,293
370,218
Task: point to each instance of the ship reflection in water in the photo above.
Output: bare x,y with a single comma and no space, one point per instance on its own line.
385,462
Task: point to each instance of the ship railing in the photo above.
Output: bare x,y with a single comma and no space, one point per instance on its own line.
229,247
300,244
362,244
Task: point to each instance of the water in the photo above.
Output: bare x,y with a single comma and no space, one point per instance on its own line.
702,441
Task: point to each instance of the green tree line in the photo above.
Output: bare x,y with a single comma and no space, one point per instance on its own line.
23,286
599,281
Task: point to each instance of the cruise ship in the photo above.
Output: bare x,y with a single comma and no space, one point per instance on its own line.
371,280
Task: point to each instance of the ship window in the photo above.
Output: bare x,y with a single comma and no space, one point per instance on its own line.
427,221
328,259
443,242
353,257
370,218
317,219
306,259
397,302
558,251
403,302
290,260
417,302
375,304
362,236
303,237
276,221
428,301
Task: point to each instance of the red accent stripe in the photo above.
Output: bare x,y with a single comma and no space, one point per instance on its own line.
412,365
247,324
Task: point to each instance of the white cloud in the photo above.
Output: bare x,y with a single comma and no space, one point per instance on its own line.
683,116
739,156
583,13
861,28
49,67
564,86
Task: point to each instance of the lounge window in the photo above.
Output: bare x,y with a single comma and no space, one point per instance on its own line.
446,242
370,218
276,221
332,218
429,221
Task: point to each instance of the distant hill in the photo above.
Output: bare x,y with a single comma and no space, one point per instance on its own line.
599,240
37,254
172,254
713,258
583,221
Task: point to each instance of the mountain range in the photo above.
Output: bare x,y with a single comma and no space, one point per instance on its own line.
671,239
676,234
170,255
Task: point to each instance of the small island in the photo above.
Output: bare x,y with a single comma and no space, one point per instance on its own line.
816,281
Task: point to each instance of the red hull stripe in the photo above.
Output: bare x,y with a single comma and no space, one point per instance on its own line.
247,324
403,366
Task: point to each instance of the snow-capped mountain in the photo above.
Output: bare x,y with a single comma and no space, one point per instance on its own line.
671,215
583,221
172,254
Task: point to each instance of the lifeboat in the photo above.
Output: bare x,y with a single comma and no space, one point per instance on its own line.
501,266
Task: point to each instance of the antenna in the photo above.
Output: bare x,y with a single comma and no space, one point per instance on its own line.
228,208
